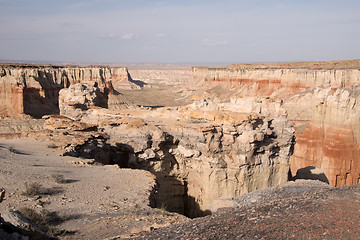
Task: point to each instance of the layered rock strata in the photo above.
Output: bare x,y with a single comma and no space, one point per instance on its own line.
198,153
34,90
161,76
322,99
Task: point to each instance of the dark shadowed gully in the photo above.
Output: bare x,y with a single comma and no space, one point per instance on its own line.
299,210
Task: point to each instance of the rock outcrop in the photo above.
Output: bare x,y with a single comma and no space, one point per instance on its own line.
15,220
34,90
76,99
328,135
322,99
298,210
198,153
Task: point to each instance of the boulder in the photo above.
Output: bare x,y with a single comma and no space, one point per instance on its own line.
15,219
2,194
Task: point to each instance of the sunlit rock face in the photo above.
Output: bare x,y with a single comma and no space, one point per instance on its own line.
34,90
199,153
329,138
322,100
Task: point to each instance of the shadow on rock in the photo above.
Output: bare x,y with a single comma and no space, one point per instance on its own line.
311,173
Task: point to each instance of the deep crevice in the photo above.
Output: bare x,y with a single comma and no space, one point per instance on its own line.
169,192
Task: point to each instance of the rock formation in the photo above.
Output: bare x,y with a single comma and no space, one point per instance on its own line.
233,139
329,137
299,210
322,99
34,90
198,153
15,220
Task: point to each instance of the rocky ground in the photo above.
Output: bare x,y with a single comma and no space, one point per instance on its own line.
105,202
94,201
304,209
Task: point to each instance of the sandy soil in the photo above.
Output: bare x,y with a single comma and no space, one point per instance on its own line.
162,87
157,96
99,202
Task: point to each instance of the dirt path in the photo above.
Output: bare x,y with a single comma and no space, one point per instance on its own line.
98,201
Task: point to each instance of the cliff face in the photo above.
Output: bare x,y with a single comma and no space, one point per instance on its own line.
328,136
323,104
198,153
273,82
34,90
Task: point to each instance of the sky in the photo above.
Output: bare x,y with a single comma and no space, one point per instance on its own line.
179,31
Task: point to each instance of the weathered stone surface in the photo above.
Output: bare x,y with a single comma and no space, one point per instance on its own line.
26,227
320,98
79,97
297,210
34,90
199,153
271,81
328,135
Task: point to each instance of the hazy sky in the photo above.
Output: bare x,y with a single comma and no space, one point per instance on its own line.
176,31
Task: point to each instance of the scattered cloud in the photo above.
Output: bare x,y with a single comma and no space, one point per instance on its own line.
213,42
148,47
128,36
161,35
110,36
67,24
248,26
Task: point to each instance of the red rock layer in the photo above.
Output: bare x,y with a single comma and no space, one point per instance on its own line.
34,90
331,148
11,99
326,98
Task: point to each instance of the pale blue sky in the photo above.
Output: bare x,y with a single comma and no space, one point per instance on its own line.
177,31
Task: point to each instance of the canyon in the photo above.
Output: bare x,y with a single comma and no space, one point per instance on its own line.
207,135
34,90
321,99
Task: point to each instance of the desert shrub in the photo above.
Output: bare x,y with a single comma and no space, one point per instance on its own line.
33,216
55,232
163,210
33,189
42,203
58,178
46,220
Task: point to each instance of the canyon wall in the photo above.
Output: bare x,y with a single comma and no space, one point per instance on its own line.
161,76
34,90
199,153
322,102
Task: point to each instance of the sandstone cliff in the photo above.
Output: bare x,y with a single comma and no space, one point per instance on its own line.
322,99
198,153
34,90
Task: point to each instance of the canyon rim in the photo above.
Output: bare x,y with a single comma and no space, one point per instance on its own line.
205,135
